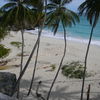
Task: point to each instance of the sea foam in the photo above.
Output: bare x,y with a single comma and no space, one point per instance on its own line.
48,33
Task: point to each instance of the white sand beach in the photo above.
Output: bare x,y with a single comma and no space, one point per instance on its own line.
51,51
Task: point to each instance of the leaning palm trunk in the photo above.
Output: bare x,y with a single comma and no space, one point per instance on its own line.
21,65
27,63
85,66
22,53
35,65
33,50
59,65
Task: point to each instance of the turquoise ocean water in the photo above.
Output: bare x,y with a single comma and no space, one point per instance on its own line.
79,32
82,30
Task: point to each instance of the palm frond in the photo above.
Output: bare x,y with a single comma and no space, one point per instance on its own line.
34,3
60,15
60,2
91,8
56,1
8,6
19,16
51,6
64,2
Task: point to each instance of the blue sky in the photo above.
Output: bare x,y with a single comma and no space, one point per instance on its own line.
2,2
73,5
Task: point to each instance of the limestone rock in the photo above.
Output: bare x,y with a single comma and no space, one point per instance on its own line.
7,82
6,97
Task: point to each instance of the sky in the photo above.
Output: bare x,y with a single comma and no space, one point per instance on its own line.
73,5
1,2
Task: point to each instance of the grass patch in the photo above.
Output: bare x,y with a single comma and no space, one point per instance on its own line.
53,67
73,70
4,51
16,44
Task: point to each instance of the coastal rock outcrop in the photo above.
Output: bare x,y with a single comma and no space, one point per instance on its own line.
6,97
7,82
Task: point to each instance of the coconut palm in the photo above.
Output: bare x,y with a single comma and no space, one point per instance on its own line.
40,28
59,14
38,45
91,9
40,23
35,65
17,15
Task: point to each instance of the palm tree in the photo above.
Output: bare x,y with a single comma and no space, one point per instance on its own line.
40,23
35,65
40,28
91,9
59,14
17,15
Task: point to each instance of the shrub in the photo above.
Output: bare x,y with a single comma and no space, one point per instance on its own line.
53,67
73,70
4,51
16,44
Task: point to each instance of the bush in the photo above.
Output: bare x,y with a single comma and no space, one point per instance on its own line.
53,67
73,70
16,44
4,51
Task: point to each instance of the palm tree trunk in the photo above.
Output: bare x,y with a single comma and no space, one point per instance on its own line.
85,66
40,31
27,63
22,53
35,65
33,50
59,65
21,65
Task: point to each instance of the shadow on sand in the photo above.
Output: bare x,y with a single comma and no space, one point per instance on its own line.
58,93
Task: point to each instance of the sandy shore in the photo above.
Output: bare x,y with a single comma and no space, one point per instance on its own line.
51,51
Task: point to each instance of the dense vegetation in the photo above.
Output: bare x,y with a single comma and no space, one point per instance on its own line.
73,70
4,51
